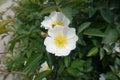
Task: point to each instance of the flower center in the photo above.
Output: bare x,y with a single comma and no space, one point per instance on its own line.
47,67
57,22
60,41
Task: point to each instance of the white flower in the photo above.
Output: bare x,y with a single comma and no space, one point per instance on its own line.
105,48
44,67
55,18
61,40
117,47
102,77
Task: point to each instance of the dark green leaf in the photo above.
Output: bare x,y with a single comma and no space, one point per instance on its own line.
48,10
111,36
107,15
77,63
71,3
81,41
73,72
50,60
83,26
67,61
93,51
42,75
92,11
33,63
94,32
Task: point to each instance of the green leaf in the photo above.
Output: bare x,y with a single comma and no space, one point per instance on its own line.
42,75
101,53
33,63
111,36
95,42
93,51
77,63
71,3
81,41
4,31
107,15
50,60
92,11
48,10
29,52
83,26
67,12
73,72
67,61
94,32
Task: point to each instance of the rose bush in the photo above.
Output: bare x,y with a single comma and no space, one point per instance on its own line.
97,25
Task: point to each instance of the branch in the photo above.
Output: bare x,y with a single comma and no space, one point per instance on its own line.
6,72
3,52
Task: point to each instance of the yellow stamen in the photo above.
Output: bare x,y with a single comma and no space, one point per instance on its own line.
60,41
57,22
47,67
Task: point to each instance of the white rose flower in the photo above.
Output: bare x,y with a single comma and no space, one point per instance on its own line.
44,66
61,40
55,18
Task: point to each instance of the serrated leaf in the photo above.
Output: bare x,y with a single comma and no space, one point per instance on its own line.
92,52
83,26
77,63
111,36
42,75
94,32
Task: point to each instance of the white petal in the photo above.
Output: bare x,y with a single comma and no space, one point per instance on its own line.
53,13
46,23
102,77
69,32
117,49
62,52
66,21
60,16
54,16
43,66
72,43
56,30
50,47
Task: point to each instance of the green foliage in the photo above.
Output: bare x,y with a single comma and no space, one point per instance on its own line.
97,24
42,75
93,51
